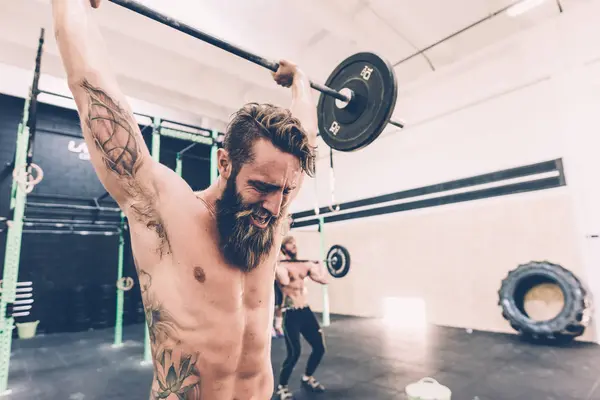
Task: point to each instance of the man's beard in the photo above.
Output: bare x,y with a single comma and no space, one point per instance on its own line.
242,243
293,255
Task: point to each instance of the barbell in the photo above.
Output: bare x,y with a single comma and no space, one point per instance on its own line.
358,97
337,261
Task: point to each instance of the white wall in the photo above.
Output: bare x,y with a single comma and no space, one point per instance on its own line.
17,82
579,90
506,94
531,98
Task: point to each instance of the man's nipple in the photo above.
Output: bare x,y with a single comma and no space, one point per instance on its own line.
199,274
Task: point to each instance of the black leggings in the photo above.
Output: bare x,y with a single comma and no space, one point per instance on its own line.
296,322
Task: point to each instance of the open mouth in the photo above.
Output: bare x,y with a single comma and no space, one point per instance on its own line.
260,221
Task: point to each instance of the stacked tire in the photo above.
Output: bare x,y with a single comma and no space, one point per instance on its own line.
568,324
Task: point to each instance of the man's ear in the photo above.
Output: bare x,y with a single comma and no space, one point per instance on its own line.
224,163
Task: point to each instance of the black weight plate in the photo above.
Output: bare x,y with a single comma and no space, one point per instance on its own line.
338,261
355,126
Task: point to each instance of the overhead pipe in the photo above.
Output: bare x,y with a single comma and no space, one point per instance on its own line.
474,24
392,27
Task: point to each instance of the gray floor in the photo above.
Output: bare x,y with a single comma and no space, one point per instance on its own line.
364,360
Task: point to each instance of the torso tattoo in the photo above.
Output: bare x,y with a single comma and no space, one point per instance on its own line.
175,370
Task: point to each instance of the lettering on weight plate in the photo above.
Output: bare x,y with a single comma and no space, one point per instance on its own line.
335,127
366,73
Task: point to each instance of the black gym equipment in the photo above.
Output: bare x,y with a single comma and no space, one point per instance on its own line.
370,82
570,322
337,261
32,120
358,100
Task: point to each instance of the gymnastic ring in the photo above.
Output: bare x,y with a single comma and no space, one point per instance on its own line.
125,283
24,177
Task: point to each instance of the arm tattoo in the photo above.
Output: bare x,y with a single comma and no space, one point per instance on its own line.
175,371
115,136
113,132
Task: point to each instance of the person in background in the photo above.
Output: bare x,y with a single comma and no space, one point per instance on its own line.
298,317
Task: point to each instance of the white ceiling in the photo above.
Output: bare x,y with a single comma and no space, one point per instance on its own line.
160,65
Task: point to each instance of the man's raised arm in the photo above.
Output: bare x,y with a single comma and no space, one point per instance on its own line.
117,149
303,104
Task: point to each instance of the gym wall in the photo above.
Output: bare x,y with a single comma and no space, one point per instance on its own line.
74,275
518,103
67,271
17,81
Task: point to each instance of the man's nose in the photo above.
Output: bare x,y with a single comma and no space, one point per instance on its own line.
273,203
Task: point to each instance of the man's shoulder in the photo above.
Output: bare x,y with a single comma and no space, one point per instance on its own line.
206,208
181,210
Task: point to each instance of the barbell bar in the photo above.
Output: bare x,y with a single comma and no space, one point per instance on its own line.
302,261
354,110
215,41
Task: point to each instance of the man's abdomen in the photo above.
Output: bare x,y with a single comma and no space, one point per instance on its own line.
218,356
259,387
177,379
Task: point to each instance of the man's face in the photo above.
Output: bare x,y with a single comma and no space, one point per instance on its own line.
291,249
254,202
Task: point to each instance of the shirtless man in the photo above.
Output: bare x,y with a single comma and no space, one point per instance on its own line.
205,261
298,317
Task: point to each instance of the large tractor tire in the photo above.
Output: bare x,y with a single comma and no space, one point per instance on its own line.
560,286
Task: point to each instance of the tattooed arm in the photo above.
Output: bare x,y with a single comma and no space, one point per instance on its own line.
118,152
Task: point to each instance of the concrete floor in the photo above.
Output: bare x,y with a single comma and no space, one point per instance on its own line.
364,360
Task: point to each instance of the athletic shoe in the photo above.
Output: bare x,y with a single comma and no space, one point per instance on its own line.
312,384
283,393
276,335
